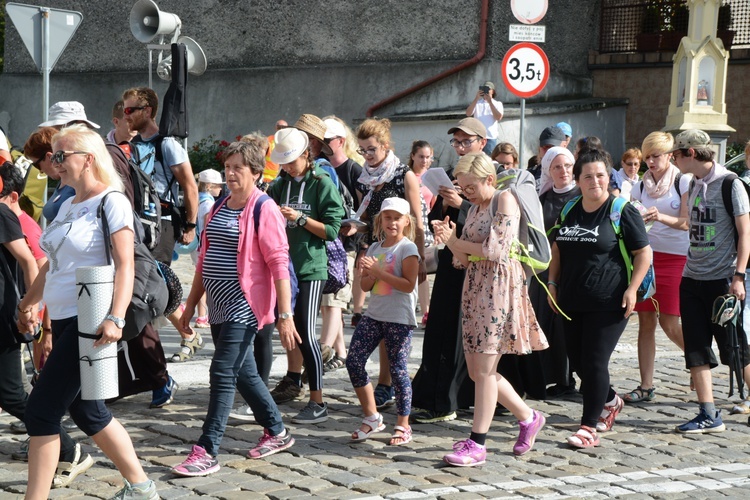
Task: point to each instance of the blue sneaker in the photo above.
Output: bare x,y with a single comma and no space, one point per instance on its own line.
703,423
384,396
165,395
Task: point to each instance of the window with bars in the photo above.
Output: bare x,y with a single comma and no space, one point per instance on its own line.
659,25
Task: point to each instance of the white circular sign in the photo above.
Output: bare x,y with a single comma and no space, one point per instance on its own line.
525,69
529,11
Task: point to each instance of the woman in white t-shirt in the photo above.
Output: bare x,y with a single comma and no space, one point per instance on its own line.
663,192
72,240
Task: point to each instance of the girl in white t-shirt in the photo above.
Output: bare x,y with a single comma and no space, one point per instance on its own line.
663,191
389,271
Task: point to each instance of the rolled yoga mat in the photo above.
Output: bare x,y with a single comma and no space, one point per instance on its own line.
95,286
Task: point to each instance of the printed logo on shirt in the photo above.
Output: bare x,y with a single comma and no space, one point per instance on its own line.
578,234
387,263
702,227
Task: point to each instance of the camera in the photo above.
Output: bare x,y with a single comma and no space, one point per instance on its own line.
485,89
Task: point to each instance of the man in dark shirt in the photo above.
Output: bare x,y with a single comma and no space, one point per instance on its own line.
549,138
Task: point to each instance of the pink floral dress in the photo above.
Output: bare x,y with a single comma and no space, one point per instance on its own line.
498,317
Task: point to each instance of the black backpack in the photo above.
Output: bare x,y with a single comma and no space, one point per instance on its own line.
145,198
150,293
726,196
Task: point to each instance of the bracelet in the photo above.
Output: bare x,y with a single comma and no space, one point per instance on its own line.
740,275
552,283
23,311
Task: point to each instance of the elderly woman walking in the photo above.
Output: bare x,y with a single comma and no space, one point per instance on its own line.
244,277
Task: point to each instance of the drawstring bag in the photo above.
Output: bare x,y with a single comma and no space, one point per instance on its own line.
337,266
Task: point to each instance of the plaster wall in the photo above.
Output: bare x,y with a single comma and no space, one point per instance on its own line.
271,60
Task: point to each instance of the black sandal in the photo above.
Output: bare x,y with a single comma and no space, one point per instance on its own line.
639,394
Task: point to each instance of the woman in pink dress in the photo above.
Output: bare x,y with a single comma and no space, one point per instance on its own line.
498,317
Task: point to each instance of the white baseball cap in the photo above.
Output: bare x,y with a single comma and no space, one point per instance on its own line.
334,128
290,143
399,205
210,176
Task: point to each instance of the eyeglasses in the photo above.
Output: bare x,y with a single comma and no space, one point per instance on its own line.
367,152
507,164
465,143
37,162
633,163
132,109
60,156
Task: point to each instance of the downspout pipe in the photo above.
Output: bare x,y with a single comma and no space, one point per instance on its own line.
484,16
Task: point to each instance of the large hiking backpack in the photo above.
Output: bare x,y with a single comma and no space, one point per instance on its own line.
532,247
150,293
145,198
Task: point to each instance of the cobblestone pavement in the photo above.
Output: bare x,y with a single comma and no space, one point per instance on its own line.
642,457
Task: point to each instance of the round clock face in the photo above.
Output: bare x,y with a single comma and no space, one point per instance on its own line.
529,11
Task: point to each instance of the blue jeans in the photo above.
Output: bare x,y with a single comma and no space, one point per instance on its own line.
233,366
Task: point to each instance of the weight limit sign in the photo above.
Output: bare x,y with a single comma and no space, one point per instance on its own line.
525,69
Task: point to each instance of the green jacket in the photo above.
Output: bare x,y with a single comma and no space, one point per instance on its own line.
320,201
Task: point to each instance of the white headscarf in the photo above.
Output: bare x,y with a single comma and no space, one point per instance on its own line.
546,182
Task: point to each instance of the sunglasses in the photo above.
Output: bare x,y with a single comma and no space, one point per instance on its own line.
132,109
59,156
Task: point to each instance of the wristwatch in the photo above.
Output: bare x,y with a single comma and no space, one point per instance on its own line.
286,315
301,220
119,322
740,275
190,225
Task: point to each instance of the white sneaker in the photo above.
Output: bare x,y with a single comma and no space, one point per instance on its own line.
243,413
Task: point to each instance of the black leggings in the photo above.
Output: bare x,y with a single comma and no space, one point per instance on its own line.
591,338
305,316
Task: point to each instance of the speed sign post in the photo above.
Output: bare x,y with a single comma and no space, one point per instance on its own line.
525,71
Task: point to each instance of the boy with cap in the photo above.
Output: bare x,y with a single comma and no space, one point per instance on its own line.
487,110
549,138
568,131
716,263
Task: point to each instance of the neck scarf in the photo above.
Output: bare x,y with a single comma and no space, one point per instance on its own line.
716,172
566,189
375,176
658,189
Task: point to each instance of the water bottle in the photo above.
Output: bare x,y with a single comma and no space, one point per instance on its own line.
151,212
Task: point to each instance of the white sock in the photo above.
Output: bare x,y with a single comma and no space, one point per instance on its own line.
530,419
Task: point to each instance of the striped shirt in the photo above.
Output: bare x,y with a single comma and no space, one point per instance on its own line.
225,299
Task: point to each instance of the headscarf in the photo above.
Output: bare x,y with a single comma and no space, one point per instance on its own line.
546,183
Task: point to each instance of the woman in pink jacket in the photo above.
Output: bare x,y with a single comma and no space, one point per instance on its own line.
237,269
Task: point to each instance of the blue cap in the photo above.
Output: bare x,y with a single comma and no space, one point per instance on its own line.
567,129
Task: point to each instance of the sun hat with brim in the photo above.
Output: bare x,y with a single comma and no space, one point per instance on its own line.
315,128
399,205
692,138
64,112
290,144
471,126
210,176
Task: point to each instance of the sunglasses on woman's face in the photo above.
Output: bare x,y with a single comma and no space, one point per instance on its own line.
60,156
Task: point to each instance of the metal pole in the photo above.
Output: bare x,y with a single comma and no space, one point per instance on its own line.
150,64
521,163
45,61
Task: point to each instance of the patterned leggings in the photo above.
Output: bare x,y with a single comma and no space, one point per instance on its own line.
365,340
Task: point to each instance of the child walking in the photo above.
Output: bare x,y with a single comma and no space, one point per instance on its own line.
389,272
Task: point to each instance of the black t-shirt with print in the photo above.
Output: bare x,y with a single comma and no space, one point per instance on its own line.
593,275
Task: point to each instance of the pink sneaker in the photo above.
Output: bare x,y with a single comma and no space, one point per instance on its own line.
528,433
268,444
198,463
466,454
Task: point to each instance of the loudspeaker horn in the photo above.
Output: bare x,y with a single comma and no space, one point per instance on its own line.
147,21
196,60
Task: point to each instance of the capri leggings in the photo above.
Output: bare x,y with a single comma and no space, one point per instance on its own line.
365,340
305,317
59,389
591,338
